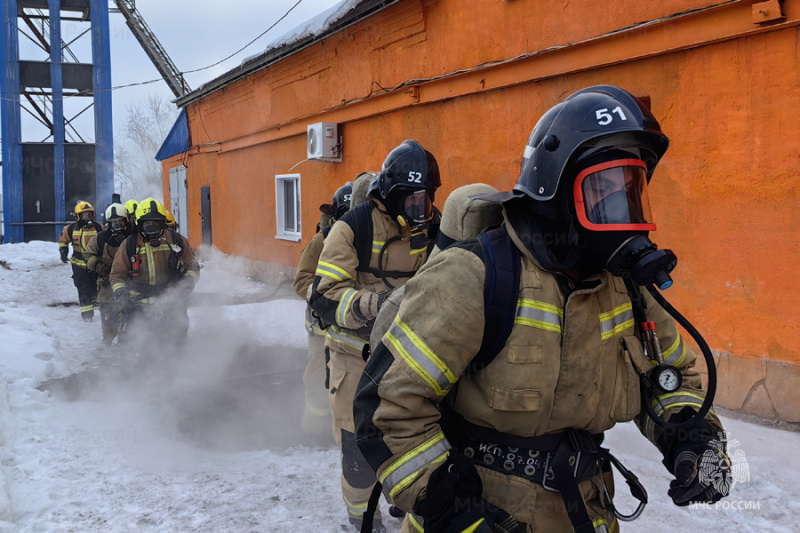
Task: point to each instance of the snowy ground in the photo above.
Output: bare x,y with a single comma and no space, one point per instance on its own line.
210,440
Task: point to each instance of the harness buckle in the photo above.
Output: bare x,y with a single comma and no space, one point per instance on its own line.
548,474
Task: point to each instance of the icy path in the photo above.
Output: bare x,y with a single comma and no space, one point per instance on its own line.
122,458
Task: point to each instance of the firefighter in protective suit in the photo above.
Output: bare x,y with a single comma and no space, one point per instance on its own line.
464,217
317,413
78,234
513,444
154,273
99,257
377,246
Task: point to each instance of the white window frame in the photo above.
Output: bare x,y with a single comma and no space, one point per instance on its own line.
289,234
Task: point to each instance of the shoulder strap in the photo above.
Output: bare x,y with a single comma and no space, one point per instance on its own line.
325,231
71,228
361,223
130,245
501,287
176,239
102,239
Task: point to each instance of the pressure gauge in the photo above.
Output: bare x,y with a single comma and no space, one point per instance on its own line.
668,378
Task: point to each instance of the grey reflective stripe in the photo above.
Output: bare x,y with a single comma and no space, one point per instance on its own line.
418,355
338,335
406,470
539,315
344,305
675,354
616,321
666,402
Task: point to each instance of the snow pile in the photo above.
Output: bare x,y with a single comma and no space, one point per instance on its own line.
311,28
208,439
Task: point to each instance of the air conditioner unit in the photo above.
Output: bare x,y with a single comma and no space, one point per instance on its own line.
323,142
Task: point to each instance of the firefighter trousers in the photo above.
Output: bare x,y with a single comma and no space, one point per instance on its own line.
317,411
86,283
358,477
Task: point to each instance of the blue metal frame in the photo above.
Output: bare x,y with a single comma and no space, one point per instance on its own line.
104,127
56,82
11,124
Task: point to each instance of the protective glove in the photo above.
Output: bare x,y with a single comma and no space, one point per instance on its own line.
103,269
123,298
64,253
453,502
700,465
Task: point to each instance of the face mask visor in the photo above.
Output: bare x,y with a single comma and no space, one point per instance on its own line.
86,216
418,207
612,196
116,224
151,228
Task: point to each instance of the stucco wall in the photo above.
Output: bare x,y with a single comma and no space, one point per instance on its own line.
725,196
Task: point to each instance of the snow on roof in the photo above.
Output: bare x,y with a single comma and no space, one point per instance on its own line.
310,28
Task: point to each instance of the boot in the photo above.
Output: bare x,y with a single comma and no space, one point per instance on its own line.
377,525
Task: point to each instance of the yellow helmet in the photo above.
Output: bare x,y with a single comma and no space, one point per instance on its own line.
131,206
84,211
151,218
171,220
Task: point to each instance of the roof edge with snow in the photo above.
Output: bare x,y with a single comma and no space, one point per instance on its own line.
363,10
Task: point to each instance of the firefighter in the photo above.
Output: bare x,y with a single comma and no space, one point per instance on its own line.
79,234
130,207
469,436
463,217
317,413
154,274
171,222
377,246
99,257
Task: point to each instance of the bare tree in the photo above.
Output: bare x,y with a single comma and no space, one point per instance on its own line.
137,173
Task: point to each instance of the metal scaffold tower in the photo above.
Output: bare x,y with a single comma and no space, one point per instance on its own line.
44,177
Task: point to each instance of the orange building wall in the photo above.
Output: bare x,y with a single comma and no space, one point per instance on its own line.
725,196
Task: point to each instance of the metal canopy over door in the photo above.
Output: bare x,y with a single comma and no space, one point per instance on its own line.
178,197
205,214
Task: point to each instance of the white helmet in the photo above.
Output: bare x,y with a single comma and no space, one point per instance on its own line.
116,217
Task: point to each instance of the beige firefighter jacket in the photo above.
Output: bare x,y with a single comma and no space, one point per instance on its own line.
304,277
153,270
78,235
347,298
100,261
566,364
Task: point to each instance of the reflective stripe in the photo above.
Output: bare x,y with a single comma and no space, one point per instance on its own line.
669,401
355,510
116,286
339,336
600,525
418,250
420,357
85,308
406,469
344,306
616,321
539,315
191,273
332,271
415,523
377,246
675,354
77,262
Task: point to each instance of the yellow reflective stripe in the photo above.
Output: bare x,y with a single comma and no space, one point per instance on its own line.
539,315
677,399
418,250
332,271
339,336
77,262
616,321
420,357
191,273
679,355
355,509
474,527
344,305
116,286
63,244
406,469
85,308
377,246
414,523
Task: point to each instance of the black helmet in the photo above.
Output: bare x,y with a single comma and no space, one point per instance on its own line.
408,167
575,130
340,204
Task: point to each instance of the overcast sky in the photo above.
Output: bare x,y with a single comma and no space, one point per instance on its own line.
194,33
